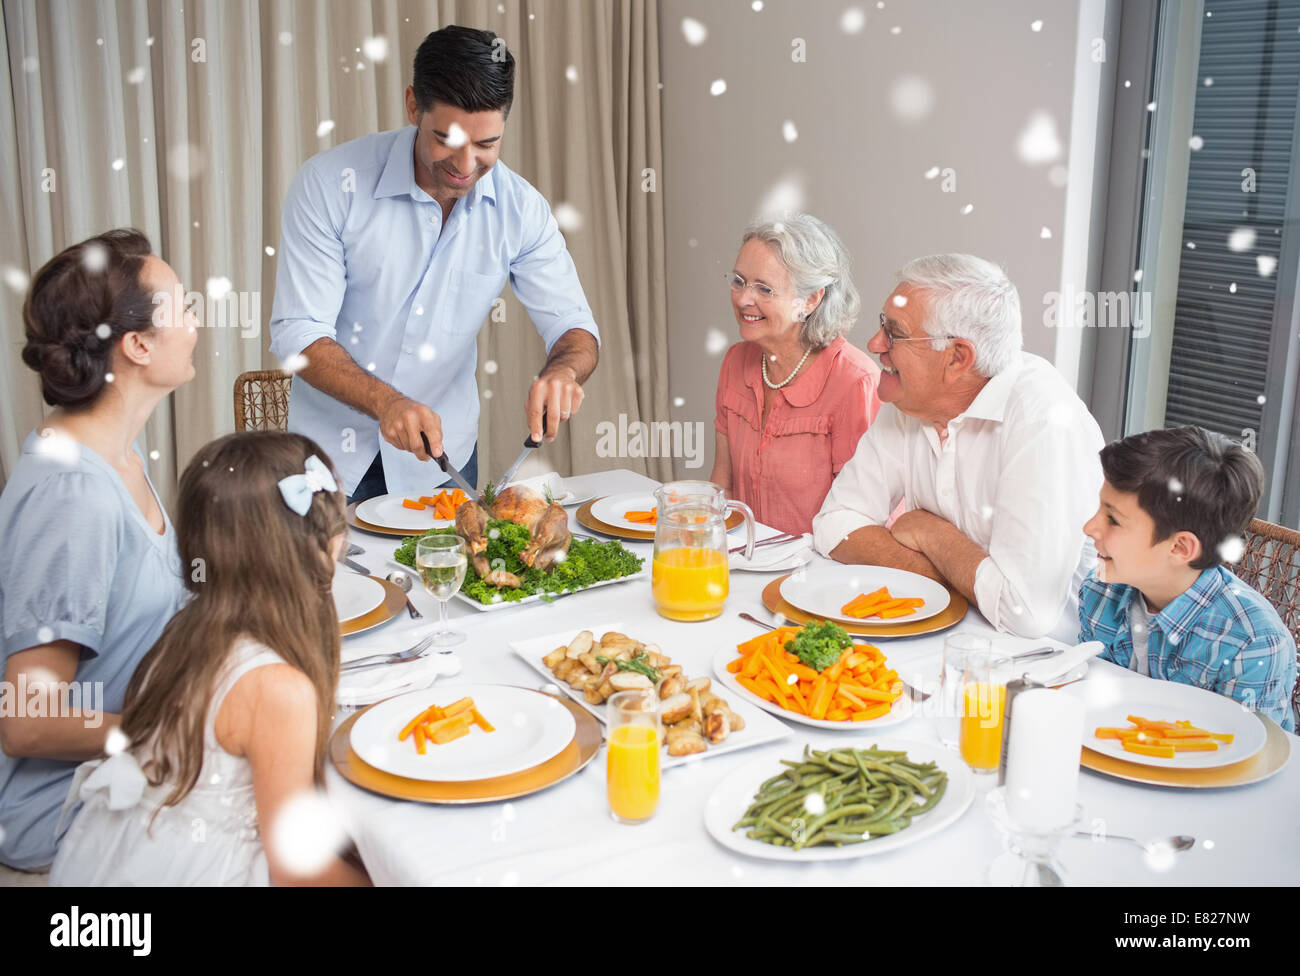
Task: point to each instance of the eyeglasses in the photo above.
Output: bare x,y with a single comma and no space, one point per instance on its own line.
891,338
739,284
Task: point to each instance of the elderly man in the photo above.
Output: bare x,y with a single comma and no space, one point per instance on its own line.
993,452
393,248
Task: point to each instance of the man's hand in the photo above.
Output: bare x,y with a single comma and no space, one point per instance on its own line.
401,421
557,391
907,529
558,395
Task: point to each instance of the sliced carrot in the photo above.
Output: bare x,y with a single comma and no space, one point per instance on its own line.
1162,752
480,721
452,729
413,504
458,706
874,712
898,612
419,739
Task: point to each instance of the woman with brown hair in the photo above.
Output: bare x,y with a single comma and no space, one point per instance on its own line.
228,715
90,574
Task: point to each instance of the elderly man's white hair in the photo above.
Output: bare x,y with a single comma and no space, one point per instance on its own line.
815,258
973,299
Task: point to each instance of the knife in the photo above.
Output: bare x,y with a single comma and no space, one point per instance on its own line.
529,446
355,566
447,468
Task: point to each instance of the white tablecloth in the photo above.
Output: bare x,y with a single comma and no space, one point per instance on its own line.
564,835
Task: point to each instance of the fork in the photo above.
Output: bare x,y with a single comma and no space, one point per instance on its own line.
783,537
401,657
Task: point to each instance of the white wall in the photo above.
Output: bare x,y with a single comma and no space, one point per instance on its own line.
858,163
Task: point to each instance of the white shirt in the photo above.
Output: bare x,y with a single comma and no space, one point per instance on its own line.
1018,474
366,260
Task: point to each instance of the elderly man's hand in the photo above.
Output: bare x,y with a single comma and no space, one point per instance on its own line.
557,394
909,527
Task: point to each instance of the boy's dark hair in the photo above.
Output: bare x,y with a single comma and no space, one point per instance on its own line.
470,69
1188,480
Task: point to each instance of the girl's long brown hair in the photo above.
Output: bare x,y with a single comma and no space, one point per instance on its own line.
256,569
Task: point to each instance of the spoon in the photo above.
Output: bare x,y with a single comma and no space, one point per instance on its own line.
404,583
1177,844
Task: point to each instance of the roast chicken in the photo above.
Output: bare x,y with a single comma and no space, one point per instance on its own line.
546,522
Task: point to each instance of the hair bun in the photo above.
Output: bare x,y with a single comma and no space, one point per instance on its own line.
72,375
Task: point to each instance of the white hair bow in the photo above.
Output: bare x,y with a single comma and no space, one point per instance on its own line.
298,489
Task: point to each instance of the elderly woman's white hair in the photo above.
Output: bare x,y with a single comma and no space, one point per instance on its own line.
815,258
973,299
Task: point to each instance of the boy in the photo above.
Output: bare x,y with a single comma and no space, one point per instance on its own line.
1173,502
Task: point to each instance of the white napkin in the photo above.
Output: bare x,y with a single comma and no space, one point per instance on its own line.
1045,671
780,555
375,684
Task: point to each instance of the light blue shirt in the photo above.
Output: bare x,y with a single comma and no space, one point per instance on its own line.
80,563
366,260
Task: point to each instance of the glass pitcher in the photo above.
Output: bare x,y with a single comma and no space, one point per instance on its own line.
689,578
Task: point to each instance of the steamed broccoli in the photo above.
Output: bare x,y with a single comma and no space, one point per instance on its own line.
819,645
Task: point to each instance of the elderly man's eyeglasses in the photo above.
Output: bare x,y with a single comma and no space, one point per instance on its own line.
739,284
891,337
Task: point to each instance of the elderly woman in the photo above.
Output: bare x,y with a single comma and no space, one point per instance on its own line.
91,574
794,397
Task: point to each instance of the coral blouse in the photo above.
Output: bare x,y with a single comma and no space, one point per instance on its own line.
783,470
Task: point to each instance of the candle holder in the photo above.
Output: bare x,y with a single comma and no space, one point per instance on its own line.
1028,859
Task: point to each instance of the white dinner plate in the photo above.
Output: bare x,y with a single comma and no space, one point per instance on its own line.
612,508
561,493
899,713
733,795
388,512
1109,699
355,595
529,728
760,728
823,590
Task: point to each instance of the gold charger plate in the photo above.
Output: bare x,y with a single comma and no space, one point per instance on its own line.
573,757
950,617
1260,766
587,520
357,522
394,603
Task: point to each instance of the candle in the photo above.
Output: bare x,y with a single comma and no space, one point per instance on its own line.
1043,759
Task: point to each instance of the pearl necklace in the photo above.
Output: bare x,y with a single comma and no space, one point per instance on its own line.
793,373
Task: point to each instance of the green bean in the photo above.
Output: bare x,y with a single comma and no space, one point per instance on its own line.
865,793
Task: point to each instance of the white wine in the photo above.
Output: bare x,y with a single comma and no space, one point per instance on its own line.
442,571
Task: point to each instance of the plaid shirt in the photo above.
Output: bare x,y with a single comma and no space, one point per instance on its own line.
1219,634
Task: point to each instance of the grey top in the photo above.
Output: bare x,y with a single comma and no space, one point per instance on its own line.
78,562
1139,625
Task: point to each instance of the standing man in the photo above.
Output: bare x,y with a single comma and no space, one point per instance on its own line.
392,249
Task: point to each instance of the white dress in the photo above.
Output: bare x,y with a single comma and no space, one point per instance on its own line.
209,838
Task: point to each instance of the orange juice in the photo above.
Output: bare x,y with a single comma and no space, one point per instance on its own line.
981,724
689,583
632,772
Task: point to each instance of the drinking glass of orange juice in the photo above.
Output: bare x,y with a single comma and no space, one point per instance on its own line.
689,576
983,706
632,755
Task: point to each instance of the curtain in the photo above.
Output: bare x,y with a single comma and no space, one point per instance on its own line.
189,119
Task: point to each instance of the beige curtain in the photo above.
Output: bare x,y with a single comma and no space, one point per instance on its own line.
189,119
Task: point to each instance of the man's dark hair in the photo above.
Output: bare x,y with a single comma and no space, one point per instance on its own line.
1188,480
470,69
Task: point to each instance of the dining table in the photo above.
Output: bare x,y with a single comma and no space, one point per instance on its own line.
564,835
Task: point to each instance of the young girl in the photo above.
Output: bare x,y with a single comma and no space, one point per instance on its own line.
227,717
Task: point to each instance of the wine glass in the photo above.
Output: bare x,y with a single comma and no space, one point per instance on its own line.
442,562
